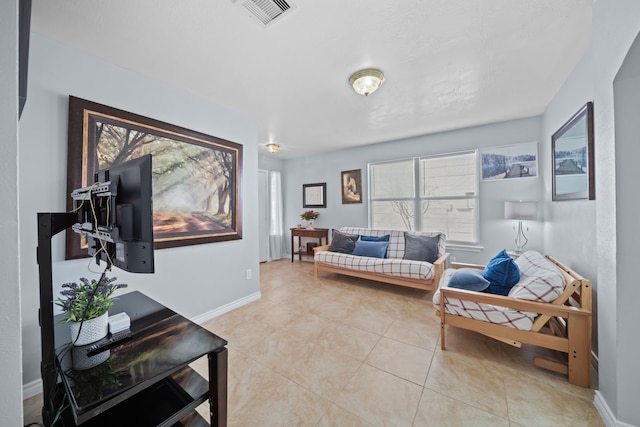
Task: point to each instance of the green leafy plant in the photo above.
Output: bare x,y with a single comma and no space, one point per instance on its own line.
88,300
309,215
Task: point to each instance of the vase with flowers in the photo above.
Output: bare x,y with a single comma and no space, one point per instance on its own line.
309,216
86,308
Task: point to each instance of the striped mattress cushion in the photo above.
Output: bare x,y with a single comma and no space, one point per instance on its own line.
389,266
540,280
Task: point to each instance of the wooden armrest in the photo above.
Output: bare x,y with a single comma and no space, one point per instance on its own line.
321,248
442,259
549,309
465,265
438,266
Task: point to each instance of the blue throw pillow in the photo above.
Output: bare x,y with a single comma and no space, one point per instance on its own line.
502,273
371,249
470,279
384,238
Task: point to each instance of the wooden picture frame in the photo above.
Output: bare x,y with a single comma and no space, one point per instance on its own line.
196,177
573,158
351,186
314,195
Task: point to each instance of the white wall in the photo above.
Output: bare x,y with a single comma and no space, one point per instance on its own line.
615,26
572,225
192,280
495,233
10,345
270,163
569,231
627,130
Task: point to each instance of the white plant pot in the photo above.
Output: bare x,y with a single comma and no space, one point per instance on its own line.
92,330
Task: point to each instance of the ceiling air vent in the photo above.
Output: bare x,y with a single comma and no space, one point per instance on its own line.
266,12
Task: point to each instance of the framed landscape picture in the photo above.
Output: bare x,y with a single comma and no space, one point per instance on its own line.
573,158
510,162
196,177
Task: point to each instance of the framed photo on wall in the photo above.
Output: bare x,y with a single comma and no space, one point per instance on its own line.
510,162
314,195
351,185
573,158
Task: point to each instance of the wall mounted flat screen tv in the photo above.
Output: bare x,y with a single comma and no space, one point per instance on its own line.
116,216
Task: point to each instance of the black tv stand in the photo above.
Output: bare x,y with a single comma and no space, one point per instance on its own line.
49,224
150,382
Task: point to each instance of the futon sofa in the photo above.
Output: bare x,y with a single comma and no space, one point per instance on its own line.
413,259
549,306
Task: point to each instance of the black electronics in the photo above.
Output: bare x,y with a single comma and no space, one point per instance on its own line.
24,30
108,342
115,214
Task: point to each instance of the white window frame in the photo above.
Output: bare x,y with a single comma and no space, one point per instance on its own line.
417,198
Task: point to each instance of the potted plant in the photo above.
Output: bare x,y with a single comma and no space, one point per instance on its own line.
309,216
86,308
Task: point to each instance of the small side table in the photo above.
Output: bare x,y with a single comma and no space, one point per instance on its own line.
147,380
313,233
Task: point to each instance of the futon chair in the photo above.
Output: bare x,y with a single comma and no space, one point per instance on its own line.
550,307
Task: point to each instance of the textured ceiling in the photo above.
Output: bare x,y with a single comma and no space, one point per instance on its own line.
448,64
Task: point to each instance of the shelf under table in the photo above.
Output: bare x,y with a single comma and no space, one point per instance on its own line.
170,402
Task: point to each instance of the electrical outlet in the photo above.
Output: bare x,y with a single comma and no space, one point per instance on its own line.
249,274
452,258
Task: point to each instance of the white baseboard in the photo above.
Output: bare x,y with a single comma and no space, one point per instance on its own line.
31,389
226,308
35,387
605,412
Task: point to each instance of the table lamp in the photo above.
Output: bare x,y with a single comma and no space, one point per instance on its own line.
521,211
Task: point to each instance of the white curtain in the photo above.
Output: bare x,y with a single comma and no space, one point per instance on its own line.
276,229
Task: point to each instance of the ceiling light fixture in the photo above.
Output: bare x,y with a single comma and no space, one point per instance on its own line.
366,81
273,148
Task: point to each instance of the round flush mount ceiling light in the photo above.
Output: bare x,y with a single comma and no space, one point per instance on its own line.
366,81
272,148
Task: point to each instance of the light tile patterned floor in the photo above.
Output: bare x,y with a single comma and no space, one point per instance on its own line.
340,351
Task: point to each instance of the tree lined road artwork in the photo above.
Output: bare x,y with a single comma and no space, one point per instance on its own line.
192,182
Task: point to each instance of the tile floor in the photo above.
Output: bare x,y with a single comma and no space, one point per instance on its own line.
341,351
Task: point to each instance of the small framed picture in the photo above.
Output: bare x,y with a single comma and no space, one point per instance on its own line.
351,184
314,195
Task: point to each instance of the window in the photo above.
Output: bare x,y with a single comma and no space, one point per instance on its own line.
436,193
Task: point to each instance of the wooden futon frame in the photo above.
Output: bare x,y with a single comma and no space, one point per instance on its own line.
563,325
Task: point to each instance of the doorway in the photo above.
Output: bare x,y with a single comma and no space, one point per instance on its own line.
263,215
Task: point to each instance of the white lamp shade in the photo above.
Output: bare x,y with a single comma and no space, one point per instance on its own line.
521,210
